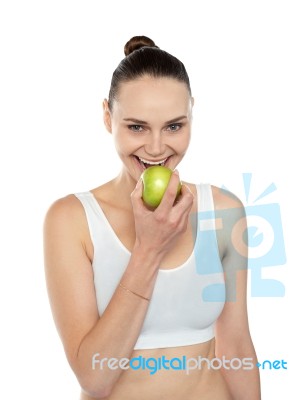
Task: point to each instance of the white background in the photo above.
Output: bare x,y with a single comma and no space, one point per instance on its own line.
245,61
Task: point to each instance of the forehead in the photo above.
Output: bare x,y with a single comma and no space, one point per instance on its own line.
147,95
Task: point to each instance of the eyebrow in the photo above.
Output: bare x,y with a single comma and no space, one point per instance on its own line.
138,121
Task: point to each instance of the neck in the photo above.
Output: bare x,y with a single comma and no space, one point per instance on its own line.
124,185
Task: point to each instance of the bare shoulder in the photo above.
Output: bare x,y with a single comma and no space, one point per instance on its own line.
224,199
66,211
63,208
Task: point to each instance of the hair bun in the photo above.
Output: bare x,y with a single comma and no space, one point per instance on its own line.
136,42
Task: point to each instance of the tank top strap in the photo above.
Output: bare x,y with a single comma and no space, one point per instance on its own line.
206,198
92,212
206,251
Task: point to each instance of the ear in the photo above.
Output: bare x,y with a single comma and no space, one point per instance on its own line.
107,115
192,101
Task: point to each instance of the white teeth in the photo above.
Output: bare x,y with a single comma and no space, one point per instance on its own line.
162,162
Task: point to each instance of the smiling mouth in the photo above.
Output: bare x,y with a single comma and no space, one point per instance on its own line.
147,163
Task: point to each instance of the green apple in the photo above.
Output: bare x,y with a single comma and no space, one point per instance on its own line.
155,180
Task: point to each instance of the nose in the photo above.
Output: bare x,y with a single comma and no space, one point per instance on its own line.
155,145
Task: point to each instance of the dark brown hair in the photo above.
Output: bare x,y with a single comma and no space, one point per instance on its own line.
143,57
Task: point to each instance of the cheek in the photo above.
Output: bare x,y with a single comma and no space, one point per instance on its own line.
124,144
187,139
181,144
118,142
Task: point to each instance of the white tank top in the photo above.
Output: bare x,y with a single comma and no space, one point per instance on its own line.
186,301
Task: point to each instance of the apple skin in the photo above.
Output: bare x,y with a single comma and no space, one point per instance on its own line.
155,180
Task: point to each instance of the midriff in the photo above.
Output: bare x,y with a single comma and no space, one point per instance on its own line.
172,384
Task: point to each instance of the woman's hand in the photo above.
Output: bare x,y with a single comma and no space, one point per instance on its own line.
158,230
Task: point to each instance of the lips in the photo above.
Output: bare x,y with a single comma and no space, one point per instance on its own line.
144,163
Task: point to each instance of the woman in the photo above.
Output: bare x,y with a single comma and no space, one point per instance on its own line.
142,300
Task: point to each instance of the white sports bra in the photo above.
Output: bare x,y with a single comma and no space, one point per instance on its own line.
186,301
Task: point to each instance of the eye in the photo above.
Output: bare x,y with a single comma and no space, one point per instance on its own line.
136,128
174,127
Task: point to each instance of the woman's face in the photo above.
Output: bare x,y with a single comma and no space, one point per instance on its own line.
151,123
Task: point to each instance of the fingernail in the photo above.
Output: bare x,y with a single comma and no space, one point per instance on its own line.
176,172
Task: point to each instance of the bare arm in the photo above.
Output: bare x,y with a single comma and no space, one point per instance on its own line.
71,289
233,338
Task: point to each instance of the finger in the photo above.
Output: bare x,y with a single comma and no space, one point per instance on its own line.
186,190
136,195
184,207
185,200
170,193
